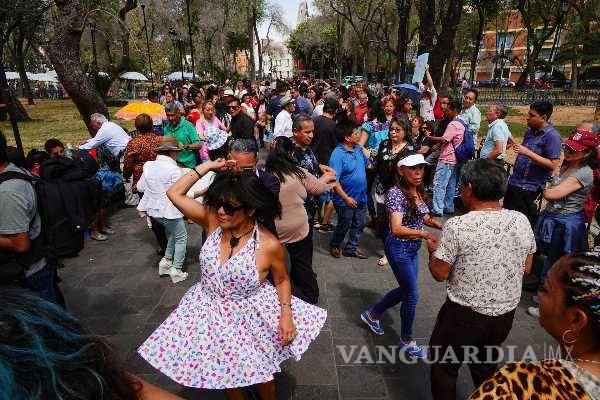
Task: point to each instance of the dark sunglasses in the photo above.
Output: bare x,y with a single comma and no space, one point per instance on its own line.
229,208
233,107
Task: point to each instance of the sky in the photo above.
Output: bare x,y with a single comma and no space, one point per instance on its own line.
290,8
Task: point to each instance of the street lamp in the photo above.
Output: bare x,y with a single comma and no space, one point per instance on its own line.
178,44
148,45
189,23
93,35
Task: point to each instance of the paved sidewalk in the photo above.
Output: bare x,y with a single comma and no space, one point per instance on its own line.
114,288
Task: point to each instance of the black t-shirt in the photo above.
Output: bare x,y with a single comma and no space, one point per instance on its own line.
242,126
324,139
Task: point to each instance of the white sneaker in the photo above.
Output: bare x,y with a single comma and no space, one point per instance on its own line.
164,267
534,311
178,275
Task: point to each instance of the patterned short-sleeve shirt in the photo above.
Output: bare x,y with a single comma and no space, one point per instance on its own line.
395,201
487,252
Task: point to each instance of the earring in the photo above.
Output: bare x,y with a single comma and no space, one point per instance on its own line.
564,339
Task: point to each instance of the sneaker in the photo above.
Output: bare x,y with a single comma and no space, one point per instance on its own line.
98,236
534,311
108,230
412,349
178,275
164,267
536,300
373,323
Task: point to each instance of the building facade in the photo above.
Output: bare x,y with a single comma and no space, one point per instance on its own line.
503,51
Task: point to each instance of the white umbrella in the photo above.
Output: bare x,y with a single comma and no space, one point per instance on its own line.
11,76
42,78
52,73
133,76
176,76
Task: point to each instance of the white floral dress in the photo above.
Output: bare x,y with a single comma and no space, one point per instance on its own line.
225,331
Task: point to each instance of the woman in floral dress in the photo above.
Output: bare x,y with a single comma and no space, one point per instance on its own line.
233,328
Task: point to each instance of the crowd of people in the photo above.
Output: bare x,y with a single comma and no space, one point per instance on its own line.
261,169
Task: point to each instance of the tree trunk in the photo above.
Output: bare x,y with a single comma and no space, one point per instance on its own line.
19,57
260,52
125,63
403,10
64,53
443,47
574,74
477,43
250,29
426,25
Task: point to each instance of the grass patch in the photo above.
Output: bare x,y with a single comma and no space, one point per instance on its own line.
53,118
518,129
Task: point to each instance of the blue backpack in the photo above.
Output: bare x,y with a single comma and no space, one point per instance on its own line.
466,149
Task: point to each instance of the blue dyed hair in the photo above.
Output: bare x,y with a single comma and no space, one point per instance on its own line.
45,353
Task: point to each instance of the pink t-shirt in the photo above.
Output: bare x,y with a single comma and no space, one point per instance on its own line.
454,135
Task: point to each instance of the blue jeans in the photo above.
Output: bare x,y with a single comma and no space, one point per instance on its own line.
176,240
45,284
444,186
349,219
404,260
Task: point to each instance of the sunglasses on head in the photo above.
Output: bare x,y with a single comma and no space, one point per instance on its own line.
229,208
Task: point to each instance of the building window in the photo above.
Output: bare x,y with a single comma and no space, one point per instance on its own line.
505,40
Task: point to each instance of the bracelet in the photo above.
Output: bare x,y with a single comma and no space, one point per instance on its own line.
286,305
197,173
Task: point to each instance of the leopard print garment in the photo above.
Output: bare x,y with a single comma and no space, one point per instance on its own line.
548,380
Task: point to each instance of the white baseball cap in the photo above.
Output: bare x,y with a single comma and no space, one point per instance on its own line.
412,160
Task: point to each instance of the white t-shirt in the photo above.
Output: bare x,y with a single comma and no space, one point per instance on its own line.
111,135
426,107
487,251
283,124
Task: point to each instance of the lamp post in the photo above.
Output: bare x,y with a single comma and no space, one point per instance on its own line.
178,44
148,45
93,35
7,103
189,23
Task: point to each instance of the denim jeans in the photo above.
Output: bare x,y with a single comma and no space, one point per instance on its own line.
349,219
403,257
176,240
444,186
45,284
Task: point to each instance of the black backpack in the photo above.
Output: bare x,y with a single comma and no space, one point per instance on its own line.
68,198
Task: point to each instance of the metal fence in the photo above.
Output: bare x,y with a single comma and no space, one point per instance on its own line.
559,97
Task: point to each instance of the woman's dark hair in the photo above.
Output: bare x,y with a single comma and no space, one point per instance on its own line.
280,161
376,112
487,178
582,285
403,100
247,190
51,144
427,126
35,157
143,123
405,127
45,353
412,209
455,105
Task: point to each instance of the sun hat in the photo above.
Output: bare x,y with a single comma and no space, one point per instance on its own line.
169,143
412,160
285,100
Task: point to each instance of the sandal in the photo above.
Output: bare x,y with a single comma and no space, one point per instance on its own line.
382,262
98,236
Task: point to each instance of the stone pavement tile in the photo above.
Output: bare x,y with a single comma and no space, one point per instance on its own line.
361,382
100,325
97,279
315,392
130,323
124,344
345,307
355,351
343,328
172,296
403,389
317,366
144,304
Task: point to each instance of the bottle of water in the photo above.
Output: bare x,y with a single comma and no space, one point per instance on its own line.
69,151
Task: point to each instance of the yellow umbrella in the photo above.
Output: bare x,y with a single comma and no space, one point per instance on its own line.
132,110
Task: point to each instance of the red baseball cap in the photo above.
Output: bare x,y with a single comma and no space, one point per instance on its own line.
581,140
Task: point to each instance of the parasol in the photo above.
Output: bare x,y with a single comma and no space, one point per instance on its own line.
133,76
132,110
409,90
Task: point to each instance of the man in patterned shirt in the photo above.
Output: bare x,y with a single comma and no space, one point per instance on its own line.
303,130
483,256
